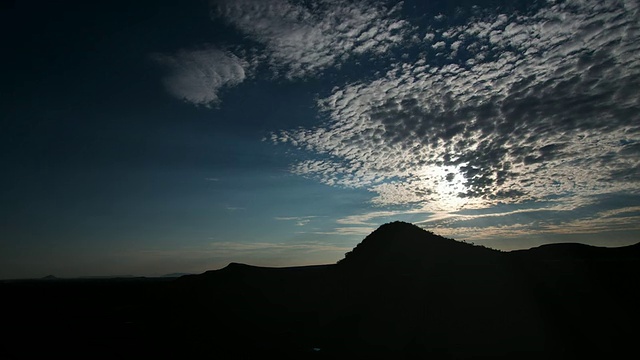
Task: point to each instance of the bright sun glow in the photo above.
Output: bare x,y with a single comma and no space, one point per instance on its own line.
447,183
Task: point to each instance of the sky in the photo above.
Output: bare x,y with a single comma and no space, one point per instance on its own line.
152,137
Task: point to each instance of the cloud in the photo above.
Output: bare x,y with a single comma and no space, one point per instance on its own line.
300,220
439,45
229,248
516,226
347,231
197,76
276,253
301,39
600,214
522,231
524,109
215,255
364,219
235,208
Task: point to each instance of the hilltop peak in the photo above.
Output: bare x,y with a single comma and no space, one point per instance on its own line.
402,244
399,225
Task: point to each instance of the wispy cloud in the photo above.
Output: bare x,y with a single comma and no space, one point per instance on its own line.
235,208
525,224
503,108
197,76
524,234
299,220
253,247
374,217
552,219
346,230
303,38
218,254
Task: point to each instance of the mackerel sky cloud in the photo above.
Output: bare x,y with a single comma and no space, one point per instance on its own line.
299,40
502,108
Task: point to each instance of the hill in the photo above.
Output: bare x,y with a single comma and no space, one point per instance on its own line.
403,292
401,245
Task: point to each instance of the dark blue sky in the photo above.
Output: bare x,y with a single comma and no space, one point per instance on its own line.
154,137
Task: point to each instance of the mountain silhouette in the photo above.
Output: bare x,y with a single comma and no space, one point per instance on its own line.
401,245
403,292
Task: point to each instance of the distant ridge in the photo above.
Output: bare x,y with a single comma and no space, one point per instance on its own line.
175,275
404,246
578,251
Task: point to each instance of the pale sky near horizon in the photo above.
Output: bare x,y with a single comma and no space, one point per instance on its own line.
154,137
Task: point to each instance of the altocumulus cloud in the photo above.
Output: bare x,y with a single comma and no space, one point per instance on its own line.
300,39
503,108
197,76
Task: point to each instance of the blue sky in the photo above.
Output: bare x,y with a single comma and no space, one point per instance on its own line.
155,137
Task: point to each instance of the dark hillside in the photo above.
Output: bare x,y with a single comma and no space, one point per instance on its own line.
401,245
403,292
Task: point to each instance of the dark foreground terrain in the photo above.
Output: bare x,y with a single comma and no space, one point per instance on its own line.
401,293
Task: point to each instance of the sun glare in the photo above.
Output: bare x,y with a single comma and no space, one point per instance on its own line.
447,183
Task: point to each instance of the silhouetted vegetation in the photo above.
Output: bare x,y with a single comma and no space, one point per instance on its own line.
403,292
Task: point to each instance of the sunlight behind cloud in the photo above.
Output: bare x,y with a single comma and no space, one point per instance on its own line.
449,187
505,109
